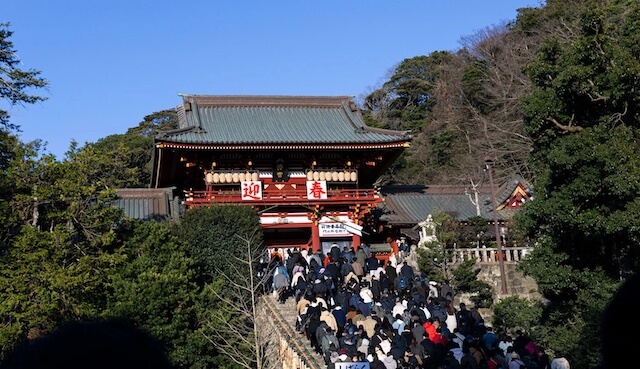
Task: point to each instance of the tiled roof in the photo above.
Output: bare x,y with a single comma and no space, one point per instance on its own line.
230,120
412,204
147,203
413,208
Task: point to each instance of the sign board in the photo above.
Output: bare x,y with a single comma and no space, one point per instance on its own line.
251,190
352,365
317,190
333,230
339,229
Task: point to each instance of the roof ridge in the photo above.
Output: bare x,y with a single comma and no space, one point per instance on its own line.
267,100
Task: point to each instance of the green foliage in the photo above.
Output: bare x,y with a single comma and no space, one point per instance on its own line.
515,312
405,100
16,87
589,204
582,115
464,274
47,279
464,278
571,319
482,293
15,83
474,87
441,144
152,124
156,290
131,153
213,235
475,233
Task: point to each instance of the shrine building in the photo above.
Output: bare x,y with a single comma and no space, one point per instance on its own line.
307,164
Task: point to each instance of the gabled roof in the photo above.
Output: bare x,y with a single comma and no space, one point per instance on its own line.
263,120
407,205
147,203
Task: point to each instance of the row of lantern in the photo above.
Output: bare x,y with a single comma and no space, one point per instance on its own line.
230,177
332,175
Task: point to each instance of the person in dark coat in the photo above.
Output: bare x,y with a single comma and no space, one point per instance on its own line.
465,320
376,363
376,288
446,291
390,270
349,255
407,271
345,269
310,331
335,252
371,263
333,269
340,315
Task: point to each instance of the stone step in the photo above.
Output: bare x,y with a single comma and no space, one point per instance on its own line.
288,313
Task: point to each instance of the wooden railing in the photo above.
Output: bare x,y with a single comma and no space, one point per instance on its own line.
275,196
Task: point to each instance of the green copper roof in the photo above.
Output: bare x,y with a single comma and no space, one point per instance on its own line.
412,204
206,119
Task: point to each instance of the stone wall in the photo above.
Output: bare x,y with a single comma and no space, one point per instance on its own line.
517,283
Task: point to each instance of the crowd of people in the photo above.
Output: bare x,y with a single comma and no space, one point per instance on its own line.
353,307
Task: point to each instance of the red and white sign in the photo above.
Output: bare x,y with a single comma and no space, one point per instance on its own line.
317,190
251,190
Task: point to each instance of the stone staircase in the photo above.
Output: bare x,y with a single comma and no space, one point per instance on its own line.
284,316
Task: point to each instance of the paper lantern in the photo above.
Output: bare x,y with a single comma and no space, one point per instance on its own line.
228,177
255,176
241,177
334,176
354,176
340,176
216,177
208,177
310,175
323,176
316,176
234,177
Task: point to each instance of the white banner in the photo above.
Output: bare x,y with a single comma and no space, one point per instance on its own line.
251,190
332,230
339,229
317,190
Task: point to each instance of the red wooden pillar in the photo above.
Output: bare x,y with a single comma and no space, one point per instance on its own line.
315,237
355,240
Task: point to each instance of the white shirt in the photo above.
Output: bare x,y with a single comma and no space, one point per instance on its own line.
398,308
427,313
367,295
504,345
560,363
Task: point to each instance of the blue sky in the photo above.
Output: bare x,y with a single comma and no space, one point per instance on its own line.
110,63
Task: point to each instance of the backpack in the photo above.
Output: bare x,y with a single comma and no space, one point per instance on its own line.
522,365
493,363
402,283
